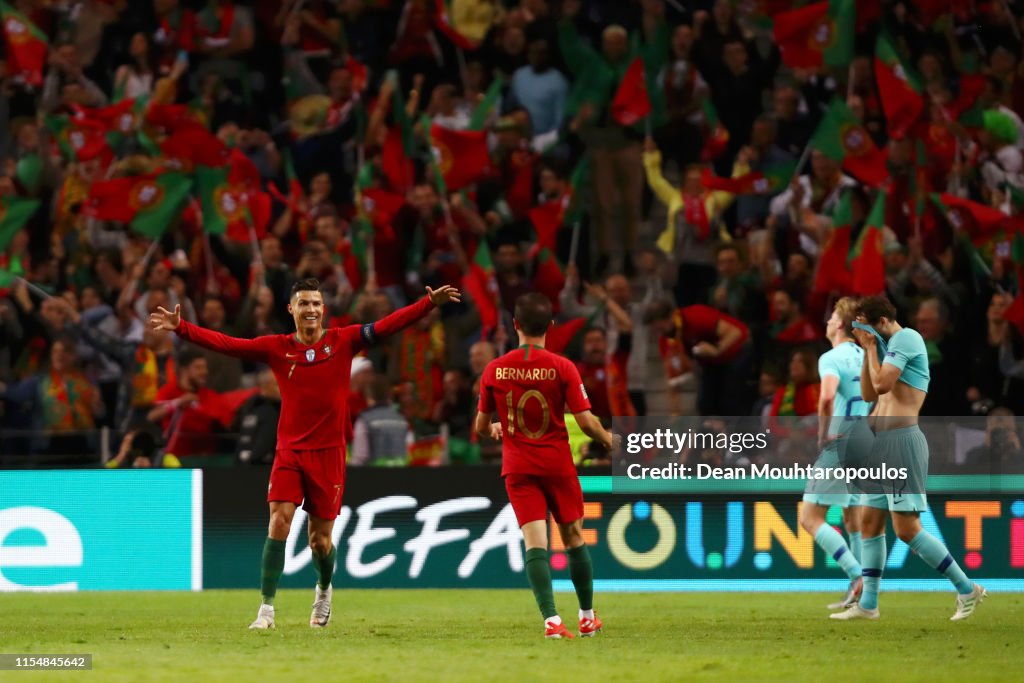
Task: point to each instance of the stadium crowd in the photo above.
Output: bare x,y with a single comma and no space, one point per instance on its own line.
677,176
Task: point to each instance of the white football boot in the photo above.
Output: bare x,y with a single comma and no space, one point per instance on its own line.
855,612
321,615
264,619
966,604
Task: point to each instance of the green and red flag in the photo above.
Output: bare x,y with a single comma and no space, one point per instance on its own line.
769,180
631,103
548,218
230,205
817,35
147,203
468,147
25,44
171,117
842,138
14,213
481,285
967,108
899,87
867,260
833,273
979,222
79,140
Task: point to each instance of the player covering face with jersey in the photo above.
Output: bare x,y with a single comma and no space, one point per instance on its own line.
530,388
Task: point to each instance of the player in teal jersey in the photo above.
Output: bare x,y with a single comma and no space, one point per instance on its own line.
895,374
839,407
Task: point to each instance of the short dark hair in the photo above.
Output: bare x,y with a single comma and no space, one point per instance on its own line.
874,308
308,284
188,356
533,313
381,390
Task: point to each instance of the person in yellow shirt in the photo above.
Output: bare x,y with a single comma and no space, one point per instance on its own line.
694,225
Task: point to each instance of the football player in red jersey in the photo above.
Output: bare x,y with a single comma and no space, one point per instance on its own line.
530,389
312,368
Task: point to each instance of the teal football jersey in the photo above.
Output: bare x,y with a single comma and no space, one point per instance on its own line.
844,362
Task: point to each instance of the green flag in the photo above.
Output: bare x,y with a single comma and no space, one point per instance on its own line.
489,102
14,213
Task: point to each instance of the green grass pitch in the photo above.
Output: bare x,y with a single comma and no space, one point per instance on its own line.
484,635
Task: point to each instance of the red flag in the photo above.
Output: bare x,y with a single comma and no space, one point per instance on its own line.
866,258
631,103
26,46
396,166
899,90
381,206
548,278
833,274
360,74
1015,313
980,222
560,336
118,118
479,282
468,147
195,146
171,117
816,35
547,220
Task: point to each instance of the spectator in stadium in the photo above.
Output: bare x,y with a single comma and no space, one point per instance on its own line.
789,325
694,223
717,342
1001,452
987,386
62,403
540,88
948,387
382,434
141,448
225,374
257,423
593,367
183,408
455,410
799,395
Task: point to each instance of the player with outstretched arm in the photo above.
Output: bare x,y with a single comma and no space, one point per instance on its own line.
895,374
312,368
530,389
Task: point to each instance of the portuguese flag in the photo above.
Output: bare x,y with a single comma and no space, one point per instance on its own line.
26,46
79,139
230,205
833,274
631,103
147,203
979,222
899,88
194,146
842,138
547,219
768,181
461,156
14,213
866,258
817,35
479,282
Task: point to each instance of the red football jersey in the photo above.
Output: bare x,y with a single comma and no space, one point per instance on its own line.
313,379
530,388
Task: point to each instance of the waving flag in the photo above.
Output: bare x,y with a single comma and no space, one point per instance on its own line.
817,35
833,273
842,138
14,213
481,286
866,258
631,102
26,46
461,156
147,203
899,87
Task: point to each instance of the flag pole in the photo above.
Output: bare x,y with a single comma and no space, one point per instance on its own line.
39,291
574,246
210,284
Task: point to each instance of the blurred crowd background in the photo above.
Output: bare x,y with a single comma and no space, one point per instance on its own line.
692,183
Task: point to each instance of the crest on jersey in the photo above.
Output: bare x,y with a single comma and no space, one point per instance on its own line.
327,350
583,390
310,355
